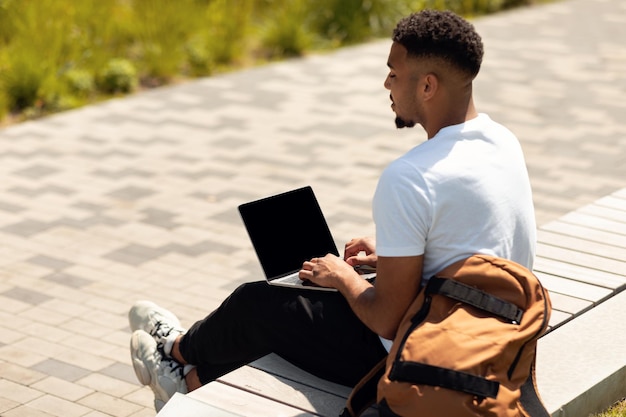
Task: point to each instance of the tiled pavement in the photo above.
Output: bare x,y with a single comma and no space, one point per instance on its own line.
136,198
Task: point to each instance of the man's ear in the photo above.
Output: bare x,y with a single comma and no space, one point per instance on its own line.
430,85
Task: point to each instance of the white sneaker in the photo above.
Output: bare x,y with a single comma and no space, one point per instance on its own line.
160,323
164,376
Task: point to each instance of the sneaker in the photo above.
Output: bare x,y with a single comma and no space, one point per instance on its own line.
164,376
160,323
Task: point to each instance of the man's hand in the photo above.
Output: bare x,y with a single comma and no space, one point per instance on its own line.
328,271
354,250
380,306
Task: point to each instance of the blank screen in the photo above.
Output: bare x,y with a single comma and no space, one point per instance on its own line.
286,230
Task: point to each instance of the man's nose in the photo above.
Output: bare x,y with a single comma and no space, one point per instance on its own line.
387,84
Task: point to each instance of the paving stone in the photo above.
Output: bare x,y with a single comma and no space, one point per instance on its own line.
61,388
109,405
26,295
58,406
60,369
17,392
26,411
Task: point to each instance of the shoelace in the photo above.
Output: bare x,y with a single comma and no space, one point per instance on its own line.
160,332
173,369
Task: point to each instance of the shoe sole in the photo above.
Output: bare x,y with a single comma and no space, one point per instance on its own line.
161,396
143,375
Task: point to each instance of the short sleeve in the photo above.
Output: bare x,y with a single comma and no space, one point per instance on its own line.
401,211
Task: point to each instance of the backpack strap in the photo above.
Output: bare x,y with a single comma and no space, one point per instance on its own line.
364,393
530,399
420,373
475,297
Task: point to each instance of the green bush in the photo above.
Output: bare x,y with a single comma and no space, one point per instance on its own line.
351,21
98,32
118,76
21,84
198,56
228,30
31,48
4,105
286,30
158,30
6,22
616,410
80,82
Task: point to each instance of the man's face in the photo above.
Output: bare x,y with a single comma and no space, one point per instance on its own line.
402,84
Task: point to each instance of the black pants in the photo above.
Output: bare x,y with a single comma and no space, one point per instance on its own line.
315,330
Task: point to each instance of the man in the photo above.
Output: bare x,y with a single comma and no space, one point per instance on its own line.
463,191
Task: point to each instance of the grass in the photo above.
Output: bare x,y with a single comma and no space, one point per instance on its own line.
61,54
617,410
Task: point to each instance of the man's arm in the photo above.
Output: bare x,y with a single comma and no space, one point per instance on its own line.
380,306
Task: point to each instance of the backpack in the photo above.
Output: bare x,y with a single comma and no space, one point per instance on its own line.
465,346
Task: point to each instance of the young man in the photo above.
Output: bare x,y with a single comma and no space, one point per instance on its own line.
464,191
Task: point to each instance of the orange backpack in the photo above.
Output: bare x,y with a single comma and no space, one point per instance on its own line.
465,346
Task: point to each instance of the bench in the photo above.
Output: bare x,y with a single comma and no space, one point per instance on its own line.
581,260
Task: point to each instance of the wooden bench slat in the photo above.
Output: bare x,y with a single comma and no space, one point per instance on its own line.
568,304
579,273
276,365
603,211
583,259
186,405
555,284
557,318
243,402
620,193
586,233
581,245
595,222
298,394
612,201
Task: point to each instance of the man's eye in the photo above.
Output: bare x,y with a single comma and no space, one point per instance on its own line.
392,75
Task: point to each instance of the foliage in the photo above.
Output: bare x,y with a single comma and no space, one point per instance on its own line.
58,54
118,76
227,30
617,410
80,82
286,30
32,52
4,105
6,23
351,21
158,33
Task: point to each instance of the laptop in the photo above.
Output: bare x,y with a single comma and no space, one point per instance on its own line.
287,229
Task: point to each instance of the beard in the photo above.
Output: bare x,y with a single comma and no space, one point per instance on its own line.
401,123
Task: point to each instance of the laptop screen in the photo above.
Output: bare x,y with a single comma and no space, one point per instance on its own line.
286,230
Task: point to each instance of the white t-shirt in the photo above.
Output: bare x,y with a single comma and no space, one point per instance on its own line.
464,191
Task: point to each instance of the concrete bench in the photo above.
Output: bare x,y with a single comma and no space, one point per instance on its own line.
581,260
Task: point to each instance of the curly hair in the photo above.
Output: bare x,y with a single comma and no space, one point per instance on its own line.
441,34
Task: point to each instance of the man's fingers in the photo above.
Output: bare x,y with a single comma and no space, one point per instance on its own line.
305,274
